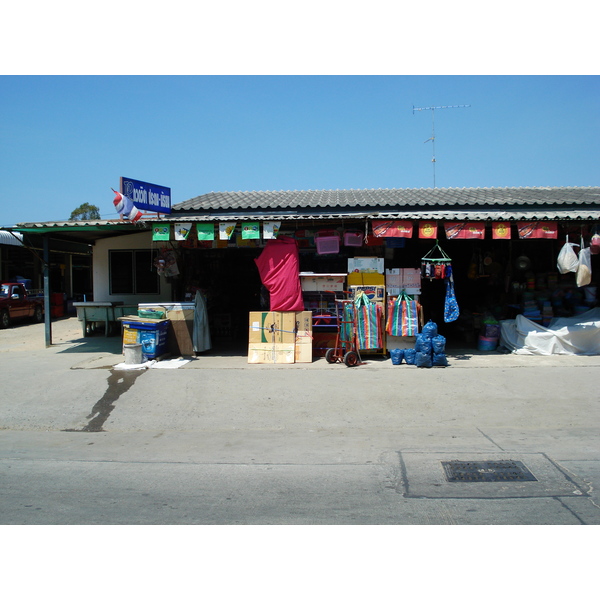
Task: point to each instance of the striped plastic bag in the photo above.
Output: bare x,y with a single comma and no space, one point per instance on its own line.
369,335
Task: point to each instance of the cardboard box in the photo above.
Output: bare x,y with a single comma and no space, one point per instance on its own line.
375,293
130,336
365,264
304,336
303,352
327,282
366,279
272,327
269,353
408,280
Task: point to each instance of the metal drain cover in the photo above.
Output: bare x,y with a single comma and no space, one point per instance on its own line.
493,470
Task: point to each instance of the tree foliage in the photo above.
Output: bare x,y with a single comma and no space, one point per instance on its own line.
86,212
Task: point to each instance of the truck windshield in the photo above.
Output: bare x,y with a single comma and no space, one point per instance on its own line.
4,291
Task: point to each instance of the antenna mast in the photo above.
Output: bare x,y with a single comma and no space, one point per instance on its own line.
432,138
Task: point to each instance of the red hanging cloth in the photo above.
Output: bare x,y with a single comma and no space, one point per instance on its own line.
279,267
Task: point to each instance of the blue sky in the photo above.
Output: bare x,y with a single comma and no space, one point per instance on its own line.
66,140
244,104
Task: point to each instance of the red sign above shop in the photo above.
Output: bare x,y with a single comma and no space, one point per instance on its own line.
398,229
529,230
465,231
501,231
428,230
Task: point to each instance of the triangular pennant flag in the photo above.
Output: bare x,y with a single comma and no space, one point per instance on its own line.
182,230
161,233
205,231
251,230
271,229
226,230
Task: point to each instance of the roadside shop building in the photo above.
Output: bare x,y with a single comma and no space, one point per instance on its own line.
502,244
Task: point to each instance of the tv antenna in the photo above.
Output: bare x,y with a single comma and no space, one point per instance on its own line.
432,138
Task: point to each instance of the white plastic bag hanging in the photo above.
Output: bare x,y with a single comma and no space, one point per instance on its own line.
567,258
584,270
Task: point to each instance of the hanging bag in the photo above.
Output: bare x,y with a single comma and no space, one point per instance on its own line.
595,241
451,310
584,269
567,260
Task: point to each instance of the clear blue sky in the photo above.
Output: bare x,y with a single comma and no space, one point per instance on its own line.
66,140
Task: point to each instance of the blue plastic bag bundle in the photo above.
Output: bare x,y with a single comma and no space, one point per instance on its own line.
438,344
430,329
423,359
423,343
410,355
397,355
438,359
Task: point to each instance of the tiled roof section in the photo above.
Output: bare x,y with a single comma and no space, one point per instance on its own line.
423,198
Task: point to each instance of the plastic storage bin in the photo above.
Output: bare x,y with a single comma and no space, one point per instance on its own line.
152,336
327,242
353,238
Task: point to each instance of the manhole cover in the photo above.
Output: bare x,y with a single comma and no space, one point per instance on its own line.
493,470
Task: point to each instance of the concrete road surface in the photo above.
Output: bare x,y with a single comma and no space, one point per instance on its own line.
219,441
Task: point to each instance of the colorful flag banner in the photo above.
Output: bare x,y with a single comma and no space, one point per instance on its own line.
161,233
428,230
205,231
251,230
401,229
271,229
529,230
226,230
182,231
501,231
125,207
465,231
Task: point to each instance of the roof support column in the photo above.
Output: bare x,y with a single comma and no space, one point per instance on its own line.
47,309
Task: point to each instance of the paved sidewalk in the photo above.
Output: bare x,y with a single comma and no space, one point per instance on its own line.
98,351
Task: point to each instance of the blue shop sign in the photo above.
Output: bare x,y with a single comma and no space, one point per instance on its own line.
147,196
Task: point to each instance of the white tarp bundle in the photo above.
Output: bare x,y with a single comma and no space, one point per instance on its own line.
565,335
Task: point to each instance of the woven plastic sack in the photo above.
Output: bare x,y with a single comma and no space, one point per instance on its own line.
410,355
397,355
423,359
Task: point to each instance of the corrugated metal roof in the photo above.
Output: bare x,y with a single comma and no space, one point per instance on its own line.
454,204
393,199
8,239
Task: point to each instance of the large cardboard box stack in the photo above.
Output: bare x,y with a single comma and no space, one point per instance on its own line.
280,337
304,337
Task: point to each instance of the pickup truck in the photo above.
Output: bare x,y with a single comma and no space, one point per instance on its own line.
16,304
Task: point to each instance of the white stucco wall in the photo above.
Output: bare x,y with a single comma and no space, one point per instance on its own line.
135,241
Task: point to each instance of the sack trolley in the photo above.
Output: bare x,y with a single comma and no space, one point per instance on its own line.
345,340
